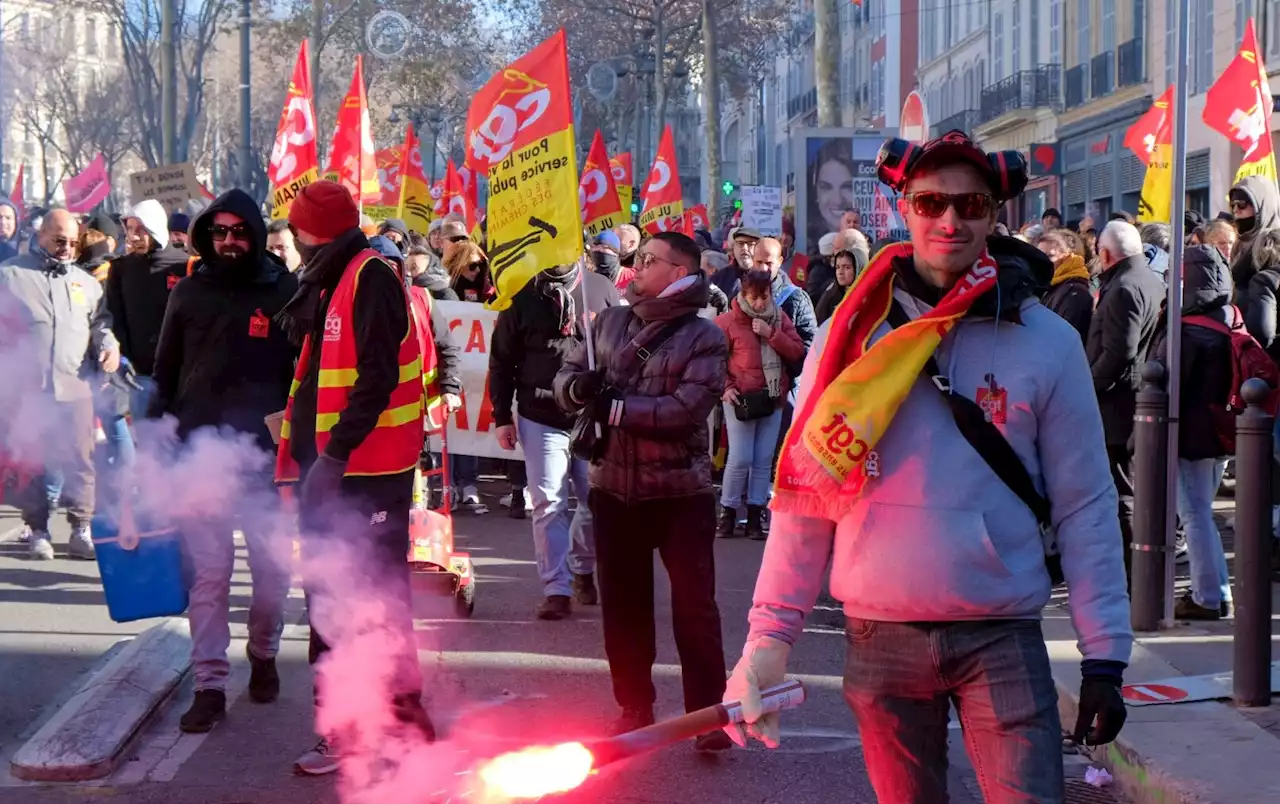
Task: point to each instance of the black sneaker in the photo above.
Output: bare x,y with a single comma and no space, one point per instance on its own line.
584,590
206,710
264,681
1187,609
554,607
632,719
728,523
755,524
713,742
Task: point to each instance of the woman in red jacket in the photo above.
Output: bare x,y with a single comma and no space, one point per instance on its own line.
762,344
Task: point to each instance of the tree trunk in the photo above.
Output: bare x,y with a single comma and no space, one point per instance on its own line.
826,56
168,82
317,41
711,113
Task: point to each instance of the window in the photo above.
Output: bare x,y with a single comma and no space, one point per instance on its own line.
1034,38
997,47
1016,34
1109,26
1271,36
1055,31
1244,10
91,35
1084,45
1200,32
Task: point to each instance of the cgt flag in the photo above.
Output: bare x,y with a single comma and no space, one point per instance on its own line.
388,163
663,198
415,204
695,219
1157,187
1141,136
294,163
620,166
597,195
454,198
520,133
352,162
1239,106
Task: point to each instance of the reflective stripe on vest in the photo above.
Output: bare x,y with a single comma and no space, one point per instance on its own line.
395,443
420,306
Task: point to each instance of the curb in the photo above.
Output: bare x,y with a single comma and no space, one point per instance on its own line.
86,737
1193,753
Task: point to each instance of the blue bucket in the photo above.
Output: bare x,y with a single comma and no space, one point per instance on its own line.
142,569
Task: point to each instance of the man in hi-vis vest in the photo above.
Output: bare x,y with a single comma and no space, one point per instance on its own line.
351,438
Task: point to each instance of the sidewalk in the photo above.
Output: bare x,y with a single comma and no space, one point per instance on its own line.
1209,752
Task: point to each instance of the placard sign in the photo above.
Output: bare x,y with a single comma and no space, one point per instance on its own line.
762,209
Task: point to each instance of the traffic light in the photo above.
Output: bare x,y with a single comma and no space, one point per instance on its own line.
728,188
737,204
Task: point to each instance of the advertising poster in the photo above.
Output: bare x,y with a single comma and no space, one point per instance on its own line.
840,175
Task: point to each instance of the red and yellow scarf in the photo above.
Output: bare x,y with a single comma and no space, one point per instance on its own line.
830,449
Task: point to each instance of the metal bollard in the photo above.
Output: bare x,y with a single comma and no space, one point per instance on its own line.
1251,679
1150,492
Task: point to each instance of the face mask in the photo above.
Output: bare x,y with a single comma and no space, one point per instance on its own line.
1245,225
606,263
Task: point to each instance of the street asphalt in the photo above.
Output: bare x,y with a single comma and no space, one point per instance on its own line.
497,681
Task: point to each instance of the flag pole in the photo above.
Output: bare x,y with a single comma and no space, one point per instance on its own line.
1174,307
583,267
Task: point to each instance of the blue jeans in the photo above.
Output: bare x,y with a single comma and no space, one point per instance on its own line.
901,679
563,543
1198,483
749,467
464,470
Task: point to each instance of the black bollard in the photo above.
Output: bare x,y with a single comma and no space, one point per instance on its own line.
1150,492
1251,680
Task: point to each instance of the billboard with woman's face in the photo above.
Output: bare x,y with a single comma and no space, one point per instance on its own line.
839,177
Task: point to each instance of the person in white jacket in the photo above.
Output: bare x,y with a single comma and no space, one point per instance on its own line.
940,566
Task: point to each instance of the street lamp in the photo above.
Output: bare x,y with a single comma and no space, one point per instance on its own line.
428,117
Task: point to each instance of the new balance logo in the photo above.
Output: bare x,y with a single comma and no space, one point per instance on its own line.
378,518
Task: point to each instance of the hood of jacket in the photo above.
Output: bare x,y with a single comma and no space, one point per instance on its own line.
1265,197
435,278
395,225
688,295
238,203
1206,281
389,251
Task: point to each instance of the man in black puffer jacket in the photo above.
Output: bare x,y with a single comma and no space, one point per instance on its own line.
531,341
1202,455
222,363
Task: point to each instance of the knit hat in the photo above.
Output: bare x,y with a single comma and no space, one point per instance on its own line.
609,240
153,219
325,210
179,222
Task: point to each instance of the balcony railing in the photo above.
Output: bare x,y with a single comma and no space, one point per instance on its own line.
1040,88
1102,74
1131,67
965,121
1073,87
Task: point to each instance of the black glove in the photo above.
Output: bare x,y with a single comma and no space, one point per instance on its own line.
606,407
323,481
587,386
1100,701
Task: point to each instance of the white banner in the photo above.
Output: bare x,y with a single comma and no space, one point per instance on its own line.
471,429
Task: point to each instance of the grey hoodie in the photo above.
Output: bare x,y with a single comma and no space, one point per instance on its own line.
1265,197
938,537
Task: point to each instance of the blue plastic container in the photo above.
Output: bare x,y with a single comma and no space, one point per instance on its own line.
142,572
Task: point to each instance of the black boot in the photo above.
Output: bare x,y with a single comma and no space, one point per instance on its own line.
755,523
728,523
584,589
206,710
264,680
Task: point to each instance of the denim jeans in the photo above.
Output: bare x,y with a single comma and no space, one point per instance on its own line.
900,681
1198,483
750,466
211,553
464,470
562,542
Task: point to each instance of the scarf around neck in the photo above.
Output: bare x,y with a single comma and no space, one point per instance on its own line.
829,452
321,274
1072,267
559,287
769,360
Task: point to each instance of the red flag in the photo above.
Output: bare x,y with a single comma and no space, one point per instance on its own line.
1239,106
437,199
415,202
1141,136
620,165
597,194
16,197
697,218
352,162
454,198
294,163
663,197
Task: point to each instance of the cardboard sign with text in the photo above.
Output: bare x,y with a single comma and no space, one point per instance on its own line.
172,185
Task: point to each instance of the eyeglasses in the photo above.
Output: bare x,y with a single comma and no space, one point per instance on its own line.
238,232
969,206
1238,204
61,242
648,257
459,239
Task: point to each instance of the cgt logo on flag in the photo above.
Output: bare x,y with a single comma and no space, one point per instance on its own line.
1045,159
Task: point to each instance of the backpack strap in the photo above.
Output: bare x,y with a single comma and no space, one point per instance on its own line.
786,294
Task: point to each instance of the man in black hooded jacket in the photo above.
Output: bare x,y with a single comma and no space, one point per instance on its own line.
221,362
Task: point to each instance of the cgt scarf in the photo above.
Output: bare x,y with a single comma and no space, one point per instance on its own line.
830,449
769,360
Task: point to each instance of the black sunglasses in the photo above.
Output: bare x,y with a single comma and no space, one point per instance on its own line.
239,232
459,239
969,206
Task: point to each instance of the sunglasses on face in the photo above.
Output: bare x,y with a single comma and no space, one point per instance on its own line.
459,239
238,232
1237,204
475,266
63,243
968,206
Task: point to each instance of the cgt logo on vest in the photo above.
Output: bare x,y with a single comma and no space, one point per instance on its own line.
332,328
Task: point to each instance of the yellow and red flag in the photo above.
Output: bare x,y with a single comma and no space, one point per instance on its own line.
624,179
1140,138
294,163
520,134
352,162
414,206
1239,106
663,209
1154,206
597,195
386,204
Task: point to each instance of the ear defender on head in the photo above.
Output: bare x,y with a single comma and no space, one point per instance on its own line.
893,163
1010,171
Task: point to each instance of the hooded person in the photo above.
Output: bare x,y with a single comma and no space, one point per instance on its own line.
10,227
138,287
222,363
1260,311
396,231
435,237
606,250
351,437
1255,208
425,270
